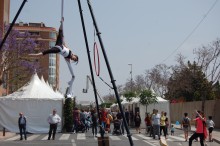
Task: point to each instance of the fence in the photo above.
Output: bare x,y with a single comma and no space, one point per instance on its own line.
212,108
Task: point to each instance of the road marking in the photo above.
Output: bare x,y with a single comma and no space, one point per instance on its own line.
143,136
32,137
45,137
13,138
149,143
64,137
81,136
114,138
177,138
133,138
73,142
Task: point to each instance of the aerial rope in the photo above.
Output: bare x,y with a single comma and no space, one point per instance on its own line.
61,48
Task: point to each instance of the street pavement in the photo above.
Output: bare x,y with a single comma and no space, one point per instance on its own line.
215,133
86,139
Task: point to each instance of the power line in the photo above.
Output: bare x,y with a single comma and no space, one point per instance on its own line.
194,29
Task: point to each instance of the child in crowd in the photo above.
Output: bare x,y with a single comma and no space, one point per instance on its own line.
172,130
211,125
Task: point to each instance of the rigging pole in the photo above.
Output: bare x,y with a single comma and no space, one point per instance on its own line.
110,73
91,71
12,24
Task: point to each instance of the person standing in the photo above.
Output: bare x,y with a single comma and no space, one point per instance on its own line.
200,129
172,130
76,118
147,123
185,125
137,121
163,124
94,118
210,125
156,124
22,126
127,116
167,123
53,120
119,117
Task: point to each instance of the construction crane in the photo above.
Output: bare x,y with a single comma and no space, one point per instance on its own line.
88,79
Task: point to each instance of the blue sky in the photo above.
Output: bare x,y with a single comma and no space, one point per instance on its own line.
143,33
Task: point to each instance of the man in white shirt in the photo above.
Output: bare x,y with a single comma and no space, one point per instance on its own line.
53,120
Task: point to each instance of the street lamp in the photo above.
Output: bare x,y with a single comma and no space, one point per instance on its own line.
131,76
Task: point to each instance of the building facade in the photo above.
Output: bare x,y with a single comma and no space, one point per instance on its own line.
4,20
4,12
49,64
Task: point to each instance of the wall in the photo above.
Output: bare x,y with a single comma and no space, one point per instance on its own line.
211,108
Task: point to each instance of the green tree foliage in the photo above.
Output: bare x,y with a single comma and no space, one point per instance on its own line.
129,95
147,97
106,105
68,114
189,83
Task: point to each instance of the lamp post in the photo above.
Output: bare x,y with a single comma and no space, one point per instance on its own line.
131,76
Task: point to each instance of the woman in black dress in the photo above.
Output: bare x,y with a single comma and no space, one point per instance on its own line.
137,121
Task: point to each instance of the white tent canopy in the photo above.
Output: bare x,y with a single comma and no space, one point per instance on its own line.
36,100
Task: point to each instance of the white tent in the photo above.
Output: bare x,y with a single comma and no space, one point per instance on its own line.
36,100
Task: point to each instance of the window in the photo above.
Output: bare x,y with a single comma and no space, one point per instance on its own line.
52,35
34,33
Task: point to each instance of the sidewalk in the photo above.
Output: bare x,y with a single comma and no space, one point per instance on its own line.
7,135
215,132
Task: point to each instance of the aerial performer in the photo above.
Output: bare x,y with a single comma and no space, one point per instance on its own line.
61,48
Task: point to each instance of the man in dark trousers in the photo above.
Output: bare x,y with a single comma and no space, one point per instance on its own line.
53,120
127,116
22,126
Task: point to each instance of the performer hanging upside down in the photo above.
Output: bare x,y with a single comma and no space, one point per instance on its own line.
61,48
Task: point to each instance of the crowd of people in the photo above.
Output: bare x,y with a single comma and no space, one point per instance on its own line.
155,122
201,125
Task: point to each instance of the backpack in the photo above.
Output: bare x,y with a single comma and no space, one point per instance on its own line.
185,122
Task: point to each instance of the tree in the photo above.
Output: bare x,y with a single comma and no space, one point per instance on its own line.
139,84
13,59
208,57
189,84
68,114
157,78
147,97
129,95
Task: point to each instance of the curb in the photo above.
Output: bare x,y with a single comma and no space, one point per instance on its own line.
7,136
216,140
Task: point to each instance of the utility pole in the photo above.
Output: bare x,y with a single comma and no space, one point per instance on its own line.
131,77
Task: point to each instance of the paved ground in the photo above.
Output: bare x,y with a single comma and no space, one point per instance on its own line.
215,133
171,140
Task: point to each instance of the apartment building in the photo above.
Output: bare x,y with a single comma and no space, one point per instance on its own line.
49,63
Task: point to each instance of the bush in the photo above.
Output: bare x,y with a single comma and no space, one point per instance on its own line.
68,114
